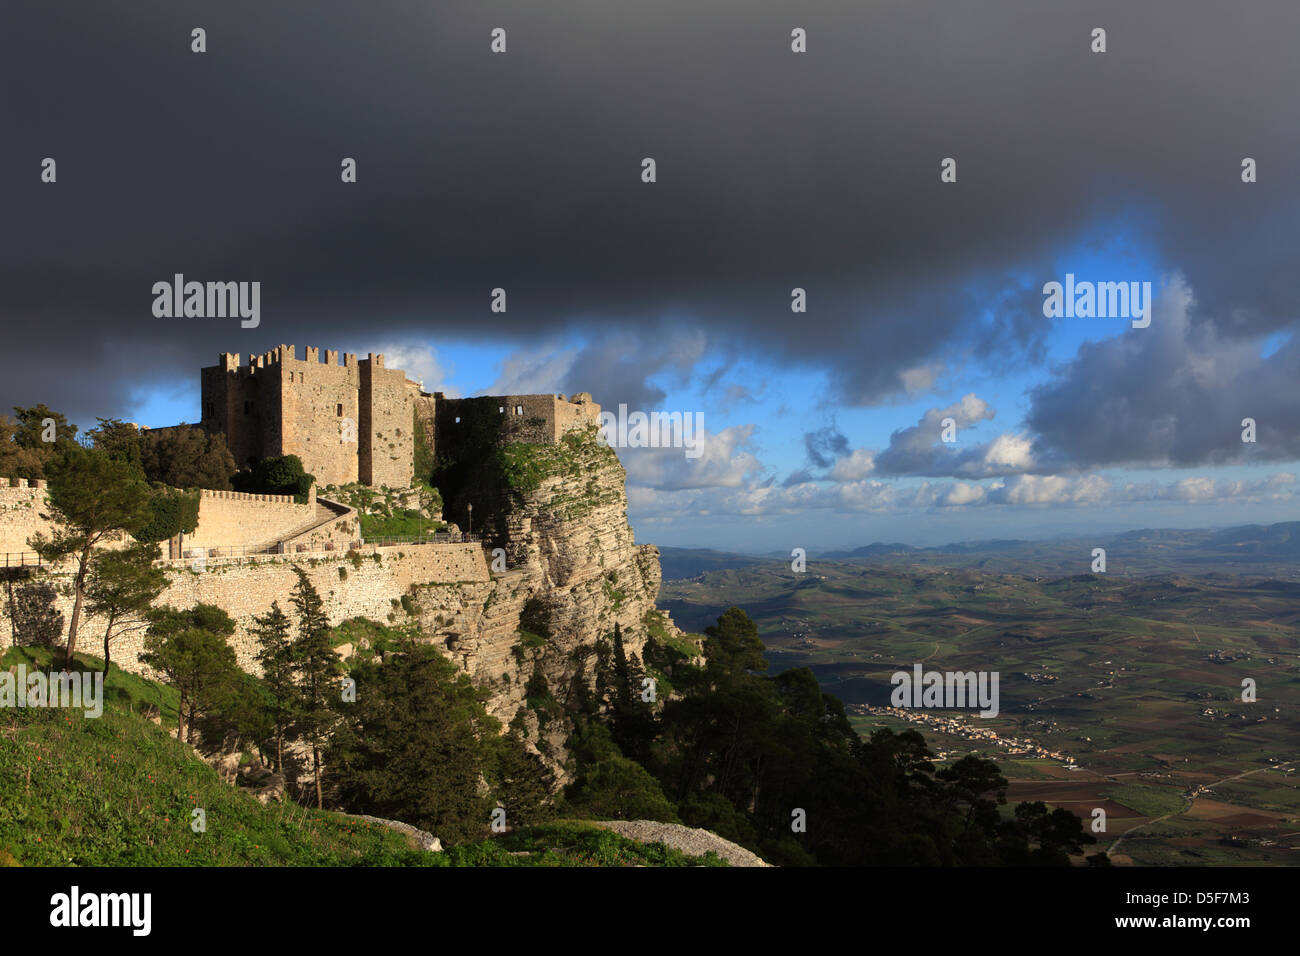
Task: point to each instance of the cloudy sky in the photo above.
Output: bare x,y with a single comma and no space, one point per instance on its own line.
775,170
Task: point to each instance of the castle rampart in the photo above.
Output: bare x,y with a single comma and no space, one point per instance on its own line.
354,422
233,519
21,504
367,583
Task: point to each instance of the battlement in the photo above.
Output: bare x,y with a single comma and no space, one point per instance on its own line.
245,496
287,354
21,502
354,420
348,421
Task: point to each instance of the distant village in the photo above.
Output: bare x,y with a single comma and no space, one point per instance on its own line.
957,725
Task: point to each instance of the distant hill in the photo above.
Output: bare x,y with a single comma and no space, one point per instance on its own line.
1280,540
679,563
868,551
1271,551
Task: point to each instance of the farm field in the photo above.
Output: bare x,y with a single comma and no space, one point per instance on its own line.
1134,684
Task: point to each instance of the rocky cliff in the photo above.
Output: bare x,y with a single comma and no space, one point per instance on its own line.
565,569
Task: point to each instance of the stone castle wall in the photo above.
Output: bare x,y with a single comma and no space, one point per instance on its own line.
354,421
539,419
386,442
20,517
320,413
232,519
227,519
279,404
337,534
371,585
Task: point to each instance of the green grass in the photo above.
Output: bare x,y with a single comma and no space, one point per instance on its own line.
529,639
402,525
118,790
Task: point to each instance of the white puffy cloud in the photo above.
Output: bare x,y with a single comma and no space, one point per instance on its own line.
725,461
421,364
874,496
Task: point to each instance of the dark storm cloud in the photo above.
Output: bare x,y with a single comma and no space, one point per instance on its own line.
522,171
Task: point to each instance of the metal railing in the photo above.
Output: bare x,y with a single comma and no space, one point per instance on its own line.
23,559
229,551
437,537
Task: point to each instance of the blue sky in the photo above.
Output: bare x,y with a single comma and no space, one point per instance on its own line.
777,404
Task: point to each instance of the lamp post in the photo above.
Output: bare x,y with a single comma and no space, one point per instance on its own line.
470,532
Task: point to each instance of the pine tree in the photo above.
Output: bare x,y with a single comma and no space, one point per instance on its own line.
92,497
622,689
275,654
417,743
121,587
318,669
633,721
191,648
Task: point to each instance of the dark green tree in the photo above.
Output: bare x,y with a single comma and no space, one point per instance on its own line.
187,457
318,671
24,451
277,475
118,439
174,512
121,588
191,648
40,427
275,654
414,744
91,497
616,788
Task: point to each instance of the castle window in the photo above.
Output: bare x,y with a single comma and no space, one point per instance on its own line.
501,409
457,419
338,410
519,409
291,376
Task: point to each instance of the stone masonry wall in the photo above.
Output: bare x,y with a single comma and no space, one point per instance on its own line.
233,519
321,412
348,422
386,442
20,517
371,583
336,535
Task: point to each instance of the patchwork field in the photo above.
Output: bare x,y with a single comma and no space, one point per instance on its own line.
1136,681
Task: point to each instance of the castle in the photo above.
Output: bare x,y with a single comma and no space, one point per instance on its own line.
578,568
355,421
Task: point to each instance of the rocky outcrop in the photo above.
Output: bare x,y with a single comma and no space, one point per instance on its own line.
416,838
566,568
690,840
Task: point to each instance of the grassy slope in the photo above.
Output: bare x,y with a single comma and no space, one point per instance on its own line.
118,790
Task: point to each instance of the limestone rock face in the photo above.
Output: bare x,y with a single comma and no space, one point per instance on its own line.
572,570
